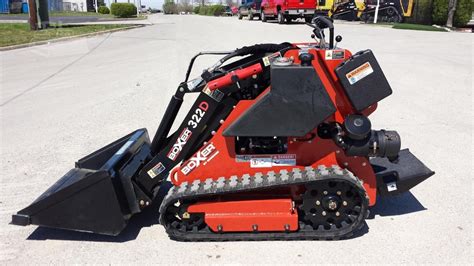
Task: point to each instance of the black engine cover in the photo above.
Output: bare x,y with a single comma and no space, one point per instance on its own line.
296,104
363,80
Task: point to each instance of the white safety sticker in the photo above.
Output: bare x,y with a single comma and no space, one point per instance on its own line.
266,61
156,170
261,162
284,160
334,54
214,94
392,186
270,160
359,73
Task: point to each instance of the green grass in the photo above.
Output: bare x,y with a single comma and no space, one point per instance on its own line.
408,26
76,14
19,33
66,14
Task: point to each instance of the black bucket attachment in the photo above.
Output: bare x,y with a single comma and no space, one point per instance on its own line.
400,176
96,196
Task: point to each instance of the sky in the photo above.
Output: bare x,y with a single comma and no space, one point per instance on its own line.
153,3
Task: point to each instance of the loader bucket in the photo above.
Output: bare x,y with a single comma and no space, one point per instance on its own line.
96,196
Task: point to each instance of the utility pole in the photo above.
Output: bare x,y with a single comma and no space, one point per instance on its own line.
33,16
137,6
376,12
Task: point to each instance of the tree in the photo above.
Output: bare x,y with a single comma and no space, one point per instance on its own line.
170,7
451,10
440,12
464,9
185,6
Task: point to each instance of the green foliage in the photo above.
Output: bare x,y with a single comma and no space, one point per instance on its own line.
409,26
203,10
103,10
421,12
123,10
196,10
463,13
440,12
217,10
170,7
213,10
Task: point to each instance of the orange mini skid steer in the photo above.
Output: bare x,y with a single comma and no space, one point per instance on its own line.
278,145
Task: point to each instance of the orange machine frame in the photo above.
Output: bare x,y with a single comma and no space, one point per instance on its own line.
217,158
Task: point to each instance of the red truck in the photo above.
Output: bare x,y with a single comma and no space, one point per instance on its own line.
287,10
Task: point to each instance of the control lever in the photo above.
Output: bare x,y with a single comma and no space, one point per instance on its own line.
323,22
338,40
320,23
318,33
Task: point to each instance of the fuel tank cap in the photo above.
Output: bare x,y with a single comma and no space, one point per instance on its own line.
283,61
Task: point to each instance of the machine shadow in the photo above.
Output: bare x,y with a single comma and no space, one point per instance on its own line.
386,206
295,22
147,218
396,205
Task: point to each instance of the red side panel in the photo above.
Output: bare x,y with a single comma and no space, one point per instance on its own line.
299,4
248,215
217,157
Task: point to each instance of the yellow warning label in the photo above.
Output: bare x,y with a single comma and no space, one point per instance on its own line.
266,61
359,73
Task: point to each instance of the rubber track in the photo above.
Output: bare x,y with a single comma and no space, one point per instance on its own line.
271,180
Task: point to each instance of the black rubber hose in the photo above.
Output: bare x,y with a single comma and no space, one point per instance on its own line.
257,49
261,48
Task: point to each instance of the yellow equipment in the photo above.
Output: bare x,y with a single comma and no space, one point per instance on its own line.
389,10
347,9
323,7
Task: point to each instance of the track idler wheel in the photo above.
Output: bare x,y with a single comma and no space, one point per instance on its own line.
334,205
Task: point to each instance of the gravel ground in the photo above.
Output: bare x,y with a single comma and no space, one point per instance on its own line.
62,101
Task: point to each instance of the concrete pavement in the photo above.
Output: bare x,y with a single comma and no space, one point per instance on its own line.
60,102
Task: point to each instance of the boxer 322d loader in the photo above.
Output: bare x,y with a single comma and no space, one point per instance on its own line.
278,145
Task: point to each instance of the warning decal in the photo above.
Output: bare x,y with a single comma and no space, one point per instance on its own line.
156,170
334,54
267,160
359,73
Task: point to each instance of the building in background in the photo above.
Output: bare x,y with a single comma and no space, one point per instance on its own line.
67,5
17,6
77,5
11,6
21,6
